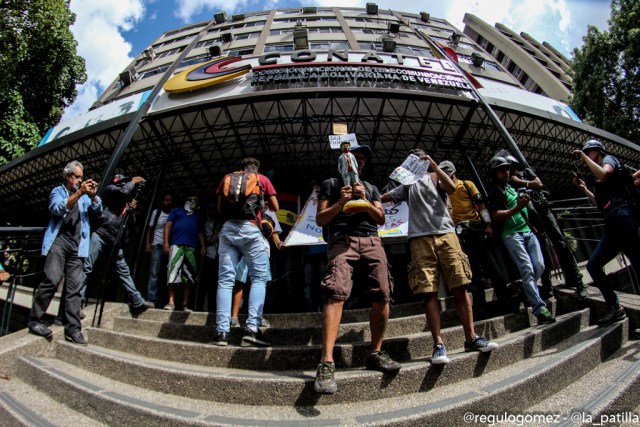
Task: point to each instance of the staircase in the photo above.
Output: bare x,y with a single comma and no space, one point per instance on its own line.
158,368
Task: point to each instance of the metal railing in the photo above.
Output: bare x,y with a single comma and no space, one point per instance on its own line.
20,249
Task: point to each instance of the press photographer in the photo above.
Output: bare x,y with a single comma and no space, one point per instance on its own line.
119,203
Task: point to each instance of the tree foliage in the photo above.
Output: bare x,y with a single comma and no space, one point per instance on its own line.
606,73
40,71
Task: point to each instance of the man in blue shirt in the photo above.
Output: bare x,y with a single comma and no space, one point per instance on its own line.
183,233
66,245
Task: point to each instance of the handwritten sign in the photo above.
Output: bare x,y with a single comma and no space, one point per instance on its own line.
336,140
410,171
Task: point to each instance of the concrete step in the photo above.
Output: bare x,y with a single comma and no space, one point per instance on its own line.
291,387
310,334
610,390
290,357
22,405
512,388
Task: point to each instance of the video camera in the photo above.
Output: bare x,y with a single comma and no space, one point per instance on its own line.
120,180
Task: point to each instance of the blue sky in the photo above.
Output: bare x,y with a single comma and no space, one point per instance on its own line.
111,33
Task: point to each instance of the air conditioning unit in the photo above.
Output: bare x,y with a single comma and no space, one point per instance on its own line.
215,50
149,54
477,59
388,44
372,8
310,9
220,17
238,17
227,37
394,27
126,78
424,16
455,38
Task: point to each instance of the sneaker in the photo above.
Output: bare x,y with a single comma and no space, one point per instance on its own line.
235,323
76,338
614,315
581,291
439,356
186,309
40,330
221,339
264,323
170,307
544,316
251,338
145,305
480,344
381,361
325,382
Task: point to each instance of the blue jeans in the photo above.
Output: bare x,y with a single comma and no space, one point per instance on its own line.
157,256
122,270
622,234
526,254
241,239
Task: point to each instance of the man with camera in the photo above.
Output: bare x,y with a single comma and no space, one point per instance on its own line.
65,245
118,199
545,220
509,211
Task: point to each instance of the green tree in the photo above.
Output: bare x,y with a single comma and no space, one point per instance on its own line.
40,71
606,73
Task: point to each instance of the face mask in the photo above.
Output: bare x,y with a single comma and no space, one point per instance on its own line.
190,206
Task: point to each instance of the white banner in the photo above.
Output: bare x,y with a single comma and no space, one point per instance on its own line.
410,171
307,232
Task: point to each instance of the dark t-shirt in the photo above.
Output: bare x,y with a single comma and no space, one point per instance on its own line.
69,234
612,189
353,224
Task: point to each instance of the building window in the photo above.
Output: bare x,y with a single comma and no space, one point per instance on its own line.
240,52
335,30
153,72
179,30
209,42
279,47
194,60
246,36
168,42
329,45
169,52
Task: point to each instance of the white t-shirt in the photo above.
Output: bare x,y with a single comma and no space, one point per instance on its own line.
158,232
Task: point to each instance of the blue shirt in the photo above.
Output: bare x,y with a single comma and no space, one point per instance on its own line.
58,210
185,228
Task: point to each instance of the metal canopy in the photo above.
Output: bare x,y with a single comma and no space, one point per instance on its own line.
288,132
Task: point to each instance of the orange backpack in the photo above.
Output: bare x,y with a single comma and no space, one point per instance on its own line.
243,191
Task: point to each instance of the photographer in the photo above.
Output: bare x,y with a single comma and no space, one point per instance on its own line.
118,199
509,211
65,245
547,226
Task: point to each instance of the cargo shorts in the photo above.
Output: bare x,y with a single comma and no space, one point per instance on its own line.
433,254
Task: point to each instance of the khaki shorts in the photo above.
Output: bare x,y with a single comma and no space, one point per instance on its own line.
367,253
431,255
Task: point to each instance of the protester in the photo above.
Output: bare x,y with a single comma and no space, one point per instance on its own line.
434,249
509,211
66,245
473,226
4,275
353,243
528,179
183,234
621,218
241,237
154,245
208,282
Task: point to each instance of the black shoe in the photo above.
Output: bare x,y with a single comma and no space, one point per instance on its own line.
144,306
581,291
614,315
40,330
251,338
381,361
221,339
76,337
325,382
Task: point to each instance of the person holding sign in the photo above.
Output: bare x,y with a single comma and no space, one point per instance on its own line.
435,250
353,241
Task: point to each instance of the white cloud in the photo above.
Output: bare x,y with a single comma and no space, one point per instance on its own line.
186,9
98,31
